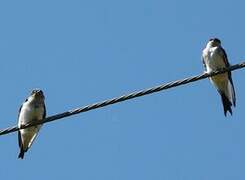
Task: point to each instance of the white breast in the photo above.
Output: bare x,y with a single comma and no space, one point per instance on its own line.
213,58
30,113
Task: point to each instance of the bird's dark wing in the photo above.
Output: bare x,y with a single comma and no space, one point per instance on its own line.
19,111
225,58
20,140
204,64
227,64
44,113
21,154
22,151
19,134
21,108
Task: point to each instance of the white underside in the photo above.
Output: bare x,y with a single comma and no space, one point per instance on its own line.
28,114
214,60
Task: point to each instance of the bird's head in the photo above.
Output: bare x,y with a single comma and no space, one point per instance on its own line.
214,42
37,94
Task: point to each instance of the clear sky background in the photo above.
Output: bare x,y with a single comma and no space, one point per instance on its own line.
82,52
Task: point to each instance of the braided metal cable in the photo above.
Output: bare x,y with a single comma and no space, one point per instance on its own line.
124,98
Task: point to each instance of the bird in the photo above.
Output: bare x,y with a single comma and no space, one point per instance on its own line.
215,58
32,110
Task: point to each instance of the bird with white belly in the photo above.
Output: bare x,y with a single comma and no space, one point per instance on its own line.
32,110
214,58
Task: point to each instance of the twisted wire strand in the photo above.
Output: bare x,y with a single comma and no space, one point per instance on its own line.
124,98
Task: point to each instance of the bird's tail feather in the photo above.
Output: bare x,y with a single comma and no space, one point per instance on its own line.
226,104
21,154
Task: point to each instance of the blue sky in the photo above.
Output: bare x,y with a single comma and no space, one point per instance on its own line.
81,52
